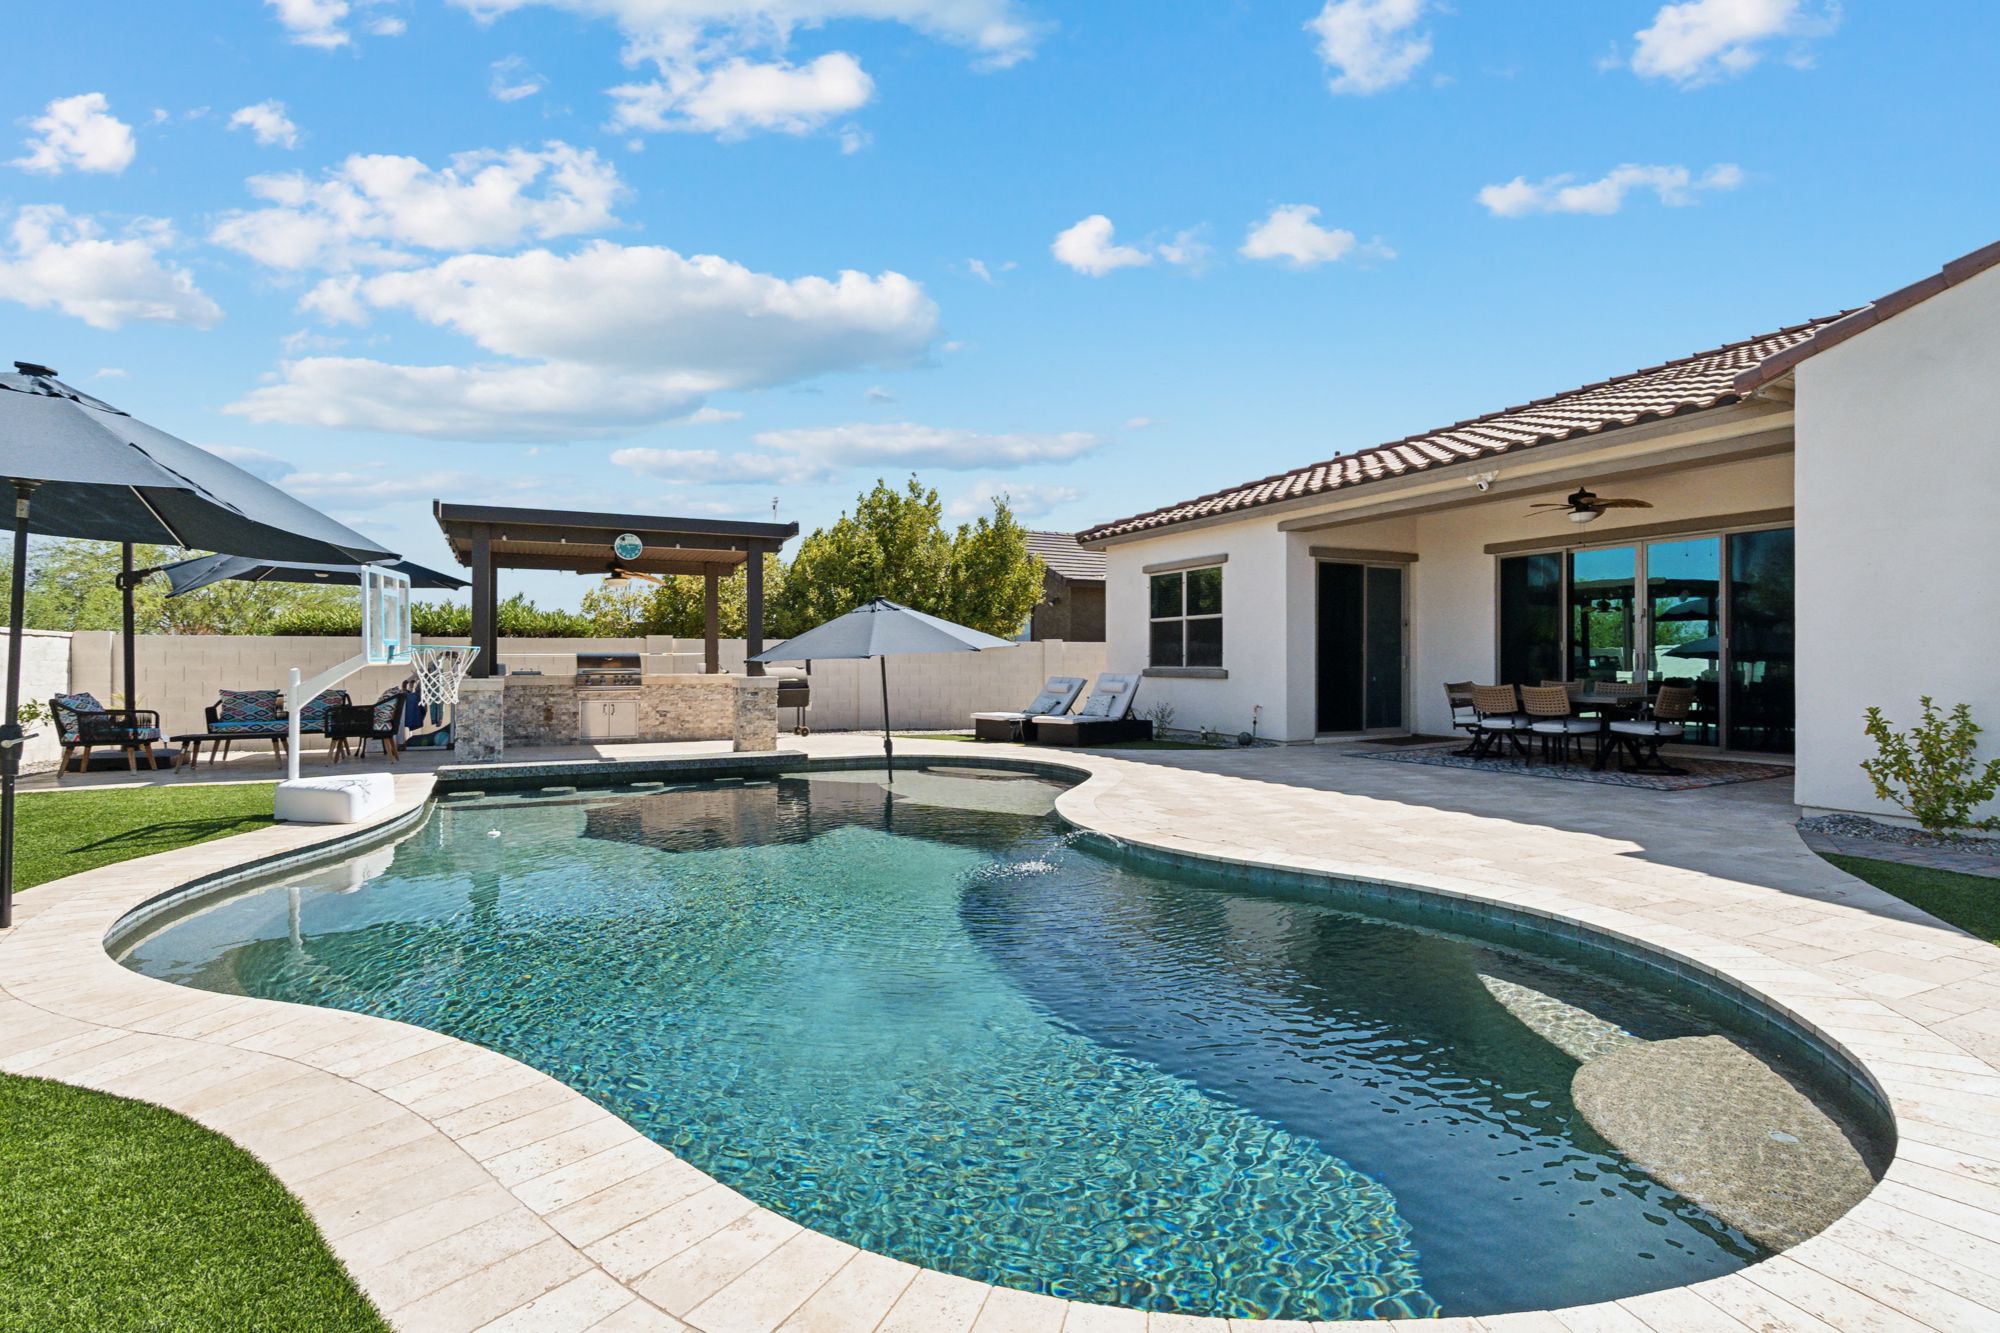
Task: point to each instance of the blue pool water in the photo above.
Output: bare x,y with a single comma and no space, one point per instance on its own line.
935,1025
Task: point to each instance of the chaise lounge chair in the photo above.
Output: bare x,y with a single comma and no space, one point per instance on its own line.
84,724
1057,696
1106,717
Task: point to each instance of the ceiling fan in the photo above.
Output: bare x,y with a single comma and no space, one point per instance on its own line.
1585,506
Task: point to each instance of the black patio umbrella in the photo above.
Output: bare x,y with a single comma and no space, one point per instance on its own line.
883,629
79,467
186,576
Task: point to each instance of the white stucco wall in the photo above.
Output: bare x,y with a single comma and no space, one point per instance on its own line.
1270,604
1899,532
44,674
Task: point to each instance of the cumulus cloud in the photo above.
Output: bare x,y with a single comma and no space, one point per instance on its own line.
376,209
1700,41
736,97
1290,233
814,454
312,22
1675,185
513,80
616,338
1088,248
77,134
268,121
1370,45
1025,501
257,462
56,260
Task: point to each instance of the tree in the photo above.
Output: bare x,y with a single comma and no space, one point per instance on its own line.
895,546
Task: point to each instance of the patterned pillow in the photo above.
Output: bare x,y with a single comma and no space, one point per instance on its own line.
386,708
238,707
313,716
67,707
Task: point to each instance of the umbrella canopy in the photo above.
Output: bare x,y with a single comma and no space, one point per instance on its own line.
186,576
882,629
103,475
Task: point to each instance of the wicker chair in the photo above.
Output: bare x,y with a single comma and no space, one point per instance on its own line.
1464,717
365,722
1499,715
84,724
1553,719
1666,721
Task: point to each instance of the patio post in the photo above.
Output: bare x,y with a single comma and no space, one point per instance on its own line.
482,602
125,584
711,620
10,730
753,608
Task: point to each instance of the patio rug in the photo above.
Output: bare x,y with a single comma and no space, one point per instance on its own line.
1697,772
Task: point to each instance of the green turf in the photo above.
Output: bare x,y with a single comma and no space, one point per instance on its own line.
62,833
117,1215
1970,902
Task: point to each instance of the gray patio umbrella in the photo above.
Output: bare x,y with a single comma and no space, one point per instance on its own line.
186,576
882,629
79,467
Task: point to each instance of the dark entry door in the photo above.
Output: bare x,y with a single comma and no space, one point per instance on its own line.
1360,667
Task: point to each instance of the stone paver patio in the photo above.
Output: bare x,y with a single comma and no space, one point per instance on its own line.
464,1190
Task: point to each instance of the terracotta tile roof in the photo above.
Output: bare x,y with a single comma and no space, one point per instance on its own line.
1692,384
1060,553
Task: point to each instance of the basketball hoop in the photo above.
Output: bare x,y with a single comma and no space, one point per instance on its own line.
439,668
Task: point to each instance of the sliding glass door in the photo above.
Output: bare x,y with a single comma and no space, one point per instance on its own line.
1360,685
1663,612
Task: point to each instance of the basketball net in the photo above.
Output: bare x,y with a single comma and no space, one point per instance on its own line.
439,668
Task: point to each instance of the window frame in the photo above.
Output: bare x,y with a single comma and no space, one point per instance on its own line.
1185,618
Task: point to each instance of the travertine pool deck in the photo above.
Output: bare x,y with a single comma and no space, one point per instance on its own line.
464,1190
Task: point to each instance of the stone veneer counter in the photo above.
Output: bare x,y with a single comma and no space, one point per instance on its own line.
546,710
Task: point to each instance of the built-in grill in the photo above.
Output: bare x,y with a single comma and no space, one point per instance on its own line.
599,671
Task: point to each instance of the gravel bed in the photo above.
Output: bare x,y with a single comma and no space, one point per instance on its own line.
1857,826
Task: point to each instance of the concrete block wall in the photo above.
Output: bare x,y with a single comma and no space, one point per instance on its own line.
180,675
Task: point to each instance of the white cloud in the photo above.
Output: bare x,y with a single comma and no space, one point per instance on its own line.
878,394
372,209
268,121
853,139
1289,233
380,483
80,134
1676,186
55,260
1088,248
815,454
617,338
672,31
388,26
738,96
1025,501
1700,41
712,416
313,22
109,373
1139,423
513,80
1369,45
1188,249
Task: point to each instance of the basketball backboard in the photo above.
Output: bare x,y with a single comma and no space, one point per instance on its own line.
385,617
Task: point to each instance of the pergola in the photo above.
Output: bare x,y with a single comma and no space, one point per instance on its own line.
489,538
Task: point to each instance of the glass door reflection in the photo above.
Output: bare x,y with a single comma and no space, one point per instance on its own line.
1603,630
1684,615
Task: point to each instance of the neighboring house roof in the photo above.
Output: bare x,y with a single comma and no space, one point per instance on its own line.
1061,554
1691,384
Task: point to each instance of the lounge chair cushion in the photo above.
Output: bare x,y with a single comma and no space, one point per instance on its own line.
1058,693
260,712
67,706
1111,700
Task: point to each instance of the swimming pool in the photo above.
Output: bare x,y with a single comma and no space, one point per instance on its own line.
937,1025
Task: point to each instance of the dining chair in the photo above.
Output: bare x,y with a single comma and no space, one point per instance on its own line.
1499,715
1665,721
1464,717
1552,717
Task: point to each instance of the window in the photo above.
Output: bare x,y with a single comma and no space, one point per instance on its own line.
1187,618
1531,618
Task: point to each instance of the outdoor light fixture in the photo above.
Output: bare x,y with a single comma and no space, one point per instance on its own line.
1585,515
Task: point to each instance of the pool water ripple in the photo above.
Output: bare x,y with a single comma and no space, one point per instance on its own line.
933,1025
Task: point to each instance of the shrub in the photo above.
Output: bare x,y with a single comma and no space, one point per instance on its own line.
1930,771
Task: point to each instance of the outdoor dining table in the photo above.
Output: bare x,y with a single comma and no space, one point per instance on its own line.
1609,708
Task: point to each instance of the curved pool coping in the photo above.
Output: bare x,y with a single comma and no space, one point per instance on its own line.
464,1190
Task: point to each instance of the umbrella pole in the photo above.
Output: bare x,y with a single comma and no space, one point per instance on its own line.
125,582
888,750
10,731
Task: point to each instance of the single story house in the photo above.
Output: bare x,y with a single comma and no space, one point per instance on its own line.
1072,605
1819,535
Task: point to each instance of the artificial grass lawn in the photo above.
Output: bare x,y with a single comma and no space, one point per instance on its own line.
117,1215
1970,902
63,833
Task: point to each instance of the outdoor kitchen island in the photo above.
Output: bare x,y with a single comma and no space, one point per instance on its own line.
497,712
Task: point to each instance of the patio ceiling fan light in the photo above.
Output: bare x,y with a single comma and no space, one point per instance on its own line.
1585,515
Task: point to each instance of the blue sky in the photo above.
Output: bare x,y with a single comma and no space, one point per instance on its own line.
686,256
